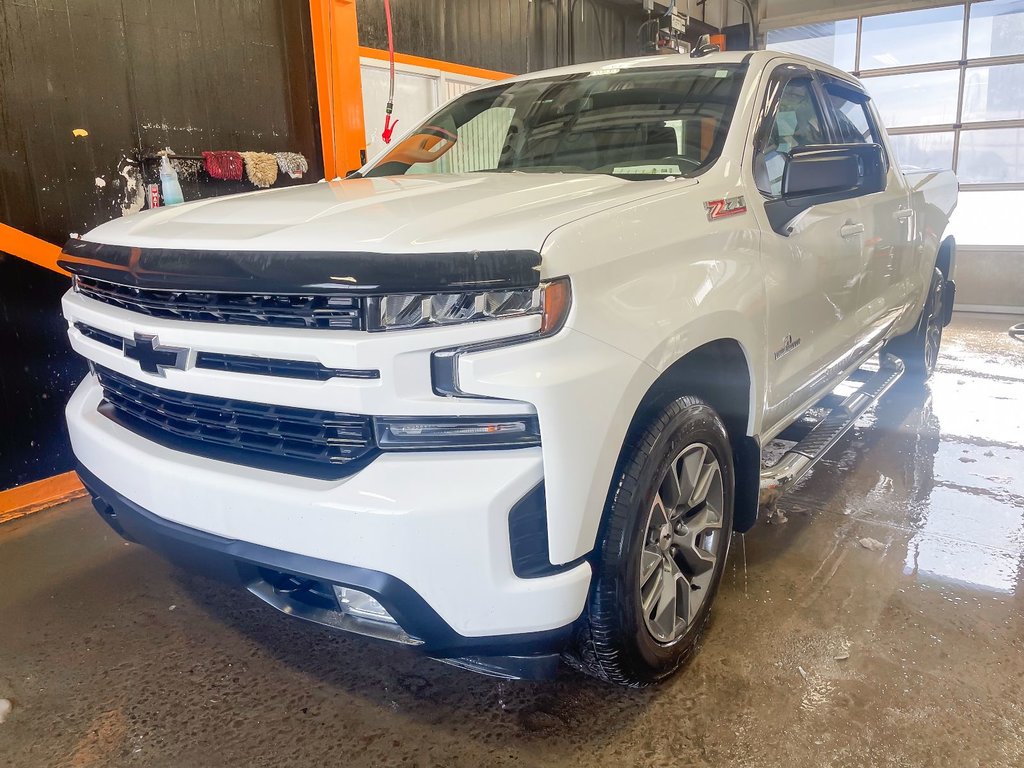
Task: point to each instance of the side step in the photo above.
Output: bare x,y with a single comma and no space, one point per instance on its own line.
778,479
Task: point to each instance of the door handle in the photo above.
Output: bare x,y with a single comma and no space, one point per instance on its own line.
902,214
851,230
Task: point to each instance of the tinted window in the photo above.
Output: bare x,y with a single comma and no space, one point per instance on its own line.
797,122
852,119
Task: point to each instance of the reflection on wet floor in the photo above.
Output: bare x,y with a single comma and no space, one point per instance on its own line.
821,651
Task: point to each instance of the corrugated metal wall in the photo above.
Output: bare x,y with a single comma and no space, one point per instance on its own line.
506,35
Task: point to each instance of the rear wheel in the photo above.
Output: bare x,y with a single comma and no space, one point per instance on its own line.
919,348
662,550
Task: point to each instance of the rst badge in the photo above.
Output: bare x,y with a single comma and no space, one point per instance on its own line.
729,206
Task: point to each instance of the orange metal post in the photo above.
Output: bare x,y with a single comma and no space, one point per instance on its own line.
338,84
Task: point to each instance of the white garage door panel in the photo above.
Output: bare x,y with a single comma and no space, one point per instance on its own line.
415,98
418,92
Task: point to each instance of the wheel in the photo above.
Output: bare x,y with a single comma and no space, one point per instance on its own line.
662,548
919,348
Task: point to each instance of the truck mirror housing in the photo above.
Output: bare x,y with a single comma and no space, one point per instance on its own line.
840,170
825,173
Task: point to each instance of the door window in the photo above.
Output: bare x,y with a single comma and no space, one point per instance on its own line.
797,122
852,118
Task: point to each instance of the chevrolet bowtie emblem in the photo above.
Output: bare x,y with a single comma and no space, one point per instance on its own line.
152,357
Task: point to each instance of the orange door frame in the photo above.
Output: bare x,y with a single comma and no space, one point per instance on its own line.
339,86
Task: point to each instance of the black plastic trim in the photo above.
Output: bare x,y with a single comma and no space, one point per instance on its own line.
233,560
291,272
528,538
271,366
333,312
247,364
103,337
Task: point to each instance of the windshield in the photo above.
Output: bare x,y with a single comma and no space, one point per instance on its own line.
633,123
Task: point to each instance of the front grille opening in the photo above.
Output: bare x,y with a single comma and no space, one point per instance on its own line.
272,311
314,442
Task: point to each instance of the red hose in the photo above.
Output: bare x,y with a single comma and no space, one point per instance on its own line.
389,127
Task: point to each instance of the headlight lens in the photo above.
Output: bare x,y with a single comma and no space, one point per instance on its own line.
451,432
419,310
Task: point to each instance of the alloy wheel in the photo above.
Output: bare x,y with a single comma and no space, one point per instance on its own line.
682,543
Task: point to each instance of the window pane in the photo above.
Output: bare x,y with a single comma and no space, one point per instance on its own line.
988,218
996,29
834,42
798,123
854,126
913,37
480,141
994,93
924,98
991,156
924,151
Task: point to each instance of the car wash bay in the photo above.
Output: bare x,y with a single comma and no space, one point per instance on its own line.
879,620
821,651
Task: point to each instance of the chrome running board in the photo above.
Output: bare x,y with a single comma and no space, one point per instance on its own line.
778,479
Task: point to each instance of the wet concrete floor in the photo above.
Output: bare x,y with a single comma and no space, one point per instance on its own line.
820,653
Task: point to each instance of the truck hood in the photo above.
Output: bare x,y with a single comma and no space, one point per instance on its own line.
394,214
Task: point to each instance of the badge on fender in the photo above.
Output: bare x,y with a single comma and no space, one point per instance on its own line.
729,206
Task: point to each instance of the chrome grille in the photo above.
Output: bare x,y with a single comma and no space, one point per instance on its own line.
240,426
278,311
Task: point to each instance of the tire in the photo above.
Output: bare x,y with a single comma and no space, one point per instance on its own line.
919,348
618,640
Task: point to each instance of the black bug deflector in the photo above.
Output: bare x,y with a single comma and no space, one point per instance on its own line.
289,272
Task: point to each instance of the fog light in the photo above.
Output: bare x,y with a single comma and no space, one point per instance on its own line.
360,605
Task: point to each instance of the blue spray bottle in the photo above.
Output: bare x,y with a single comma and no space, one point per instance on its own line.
169,185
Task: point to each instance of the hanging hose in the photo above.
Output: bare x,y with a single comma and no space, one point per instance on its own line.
389,127
1017,331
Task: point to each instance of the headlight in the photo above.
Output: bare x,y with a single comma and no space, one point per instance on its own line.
409,433
403,311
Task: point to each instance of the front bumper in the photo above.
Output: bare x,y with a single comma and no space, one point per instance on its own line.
427,532
261,569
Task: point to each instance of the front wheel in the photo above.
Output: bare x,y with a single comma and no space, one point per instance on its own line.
919,348
662,548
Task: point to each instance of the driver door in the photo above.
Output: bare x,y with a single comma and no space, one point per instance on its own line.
811,264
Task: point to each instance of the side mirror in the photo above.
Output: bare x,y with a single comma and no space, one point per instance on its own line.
843,170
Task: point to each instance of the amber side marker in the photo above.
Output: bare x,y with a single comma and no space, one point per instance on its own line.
33,497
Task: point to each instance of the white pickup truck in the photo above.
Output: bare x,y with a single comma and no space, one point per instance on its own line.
502,394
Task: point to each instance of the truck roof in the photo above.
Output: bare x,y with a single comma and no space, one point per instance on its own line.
758,59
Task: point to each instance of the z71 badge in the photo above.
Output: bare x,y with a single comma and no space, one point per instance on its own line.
730,206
